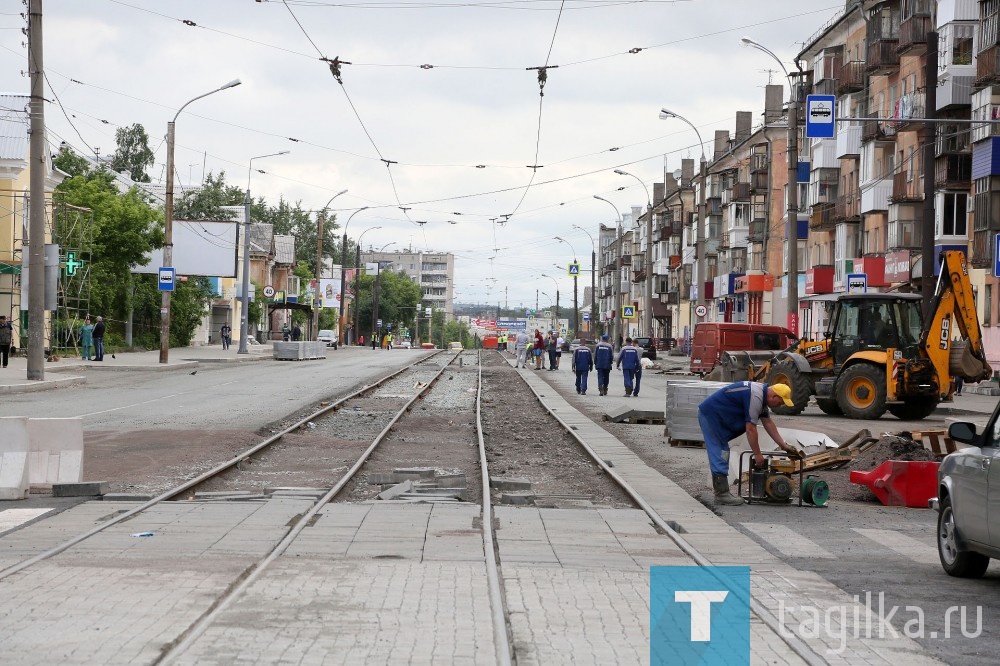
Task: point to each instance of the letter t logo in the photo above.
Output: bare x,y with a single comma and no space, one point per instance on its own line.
701,610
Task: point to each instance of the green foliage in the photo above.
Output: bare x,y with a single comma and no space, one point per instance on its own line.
188,304
399,297
207,203
71,163
133,155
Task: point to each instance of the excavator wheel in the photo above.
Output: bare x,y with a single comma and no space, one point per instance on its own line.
861,391
786,372
829,406
914,409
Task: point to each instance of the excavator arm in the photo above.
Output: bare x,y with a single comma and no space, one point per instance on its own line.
954,302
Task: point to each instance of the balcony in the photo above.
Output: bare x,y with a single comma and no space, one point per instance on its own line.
883,57
758,162
851,77
913,35
849,141
954,91
847,209
904,235
872,129
875,196
822,218
757,232
910,112
741,192
724,242
759,182
982,249
826,87
988,66
953,172
907,187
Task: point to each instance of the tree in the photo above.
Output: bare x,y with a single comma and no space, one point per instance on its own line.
208,202
399,298
133,155
71,163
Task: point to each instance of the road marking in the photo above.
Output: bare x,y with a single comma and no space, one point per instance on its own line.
12,518
787,541
908,547
134,404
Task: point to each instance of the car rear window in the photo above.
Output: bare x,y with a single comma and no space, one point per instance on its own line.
766,341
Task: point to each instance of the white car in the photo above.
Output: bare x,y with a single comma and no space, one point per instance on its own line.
329,337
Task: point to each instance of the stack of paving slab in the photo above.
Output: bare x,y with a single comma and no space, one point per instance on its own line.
420,484
683,399
298,351
39,453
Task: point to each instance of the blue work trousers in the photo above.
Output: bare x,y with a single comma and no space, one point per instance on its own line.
603,376
581,380
717,437
632,377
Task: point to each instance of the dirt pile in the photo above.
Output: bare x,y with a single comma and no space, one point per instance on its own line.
889,447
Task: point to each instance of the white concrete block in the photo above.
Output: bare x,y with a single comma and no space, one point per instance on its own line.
55,453
13,458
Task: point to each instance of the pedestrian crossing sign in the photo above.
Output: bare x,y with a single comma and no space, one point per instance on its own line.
573,269
628,312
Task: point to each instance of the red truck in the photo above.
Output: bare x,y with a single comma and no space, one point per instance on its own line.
712,339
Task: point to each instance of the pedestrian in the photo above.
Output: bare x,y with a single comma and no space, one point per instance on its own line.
553,349
226,333
732,411
539,350
582,364
388,341
285,332
86,339
98,340
561,346
638,369
959,383
630,359
521,348
296,333
6,339
361,341
604,358
374,340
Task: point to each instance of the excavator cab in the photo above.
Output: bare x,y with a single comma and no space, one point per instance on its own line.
876,323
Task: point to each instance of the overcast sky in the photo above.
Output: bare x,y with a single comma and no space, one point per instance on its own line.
460,135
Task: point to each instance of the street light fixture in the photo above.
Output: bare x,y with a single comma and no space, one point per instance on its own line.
793,192
320,221
168,223
616,321
343,267
245,296
576,302
701,233
593,278
557,292
649,252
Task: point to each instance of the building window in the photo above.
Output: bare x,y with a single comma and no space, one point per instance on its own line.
988,306
954,217
961,50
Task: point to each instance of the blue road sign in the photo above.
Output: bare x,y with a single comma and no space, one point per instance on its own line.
857,283
821,116
165,279
586,316
628,312
573,269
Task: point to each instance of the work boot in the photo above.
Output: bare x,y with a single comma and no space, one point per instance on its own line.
720,483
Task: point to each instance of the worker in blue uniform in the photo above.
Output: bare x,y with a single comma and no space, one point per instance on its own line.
604,358
583,363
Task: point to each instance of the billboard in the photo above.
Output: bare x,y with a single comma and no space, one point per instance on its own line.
201,248
329,292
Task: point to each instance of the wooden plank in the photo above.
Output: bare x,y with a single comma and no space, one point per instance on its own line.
687,443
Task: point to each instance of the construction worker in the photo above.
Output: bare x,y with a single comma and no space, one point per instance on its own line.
604,358
630,357
583,363
732,411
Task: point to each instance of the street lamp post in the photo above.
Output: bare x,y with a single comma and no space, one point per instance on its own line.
320,221
553,323
593,278
576,303
793,191
245,296
649,252
701,233
343,269
556,283
168,223
357,278
616,325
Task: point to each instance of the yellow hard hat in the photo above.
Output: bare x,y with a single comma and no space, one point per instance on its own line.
784,392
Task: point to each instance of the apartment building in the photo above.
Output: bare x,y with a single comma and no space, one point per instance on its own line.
433,271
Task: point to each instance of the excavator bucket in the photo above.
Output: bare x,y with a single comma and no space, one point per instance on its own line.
739,366
963,363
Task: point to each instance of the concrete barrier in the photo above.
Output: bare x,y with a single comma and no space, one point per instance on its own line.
55,451
13,458
298,351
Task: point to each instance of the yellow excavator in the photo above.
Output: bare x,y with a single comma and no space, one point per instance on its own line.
879,355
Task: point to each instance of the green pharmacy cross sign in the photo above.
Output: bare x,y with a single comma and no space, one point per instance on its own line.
72,263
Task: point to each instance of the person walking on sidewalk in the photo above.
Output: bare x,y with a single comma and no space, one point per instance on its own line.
638,368
561,346
539,350
226,333
98,339
732,411
521,349
86,339
552,347
6,339
630,362
604,358
583,363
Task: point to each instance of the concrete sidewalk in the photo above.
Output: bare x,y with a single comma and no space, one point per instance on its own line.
73,371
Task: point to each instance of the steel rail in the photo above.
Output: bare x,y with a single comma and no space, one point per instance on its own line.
798,646
198,480
498,601
187,638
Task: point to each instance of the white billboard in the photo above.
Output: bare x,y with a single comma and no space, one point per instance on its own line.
329,291
201,248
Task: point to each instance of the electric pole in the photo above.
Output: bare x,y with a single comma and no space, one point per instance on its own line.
36,185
